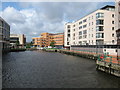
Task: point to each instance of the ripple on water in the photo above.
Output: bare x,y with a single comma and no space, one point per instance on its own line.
34,69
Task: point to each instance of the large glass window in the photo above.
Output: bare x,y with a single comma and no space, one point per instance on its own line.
80,27
1,37
84,26
84,36
80,37
68,26
80,33
99,28
99,22
0,30
85,20
68,35
80,42
99,35
80,22
99,15
1,23
68,30
110,9
67,43
85,32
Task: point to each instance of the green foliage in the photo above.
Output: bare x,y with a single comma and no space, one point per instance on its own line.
52,44
28,45
17,43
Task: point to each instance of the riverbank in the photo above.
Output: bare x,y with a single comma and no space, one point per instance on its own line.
17,49
74,53
106,66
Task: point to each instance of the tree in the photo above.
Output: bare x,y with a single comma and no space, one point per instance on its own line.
52,44
28,45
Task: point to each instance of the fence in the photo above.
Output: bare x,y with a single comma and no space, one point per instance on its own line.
105,53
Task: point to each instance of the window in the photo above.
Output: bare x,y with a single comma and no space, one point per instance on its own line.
80,22
99,35
92,17
113,15
99,15
68,35
73,29
84,36
110,9
80,37
99,28
89,35
67,43
113,41
112,28
89,18
73,25
112,22
113,35
68,30
92,35
84,26
74,34
67,39
80,42
92,29
80,33
0,30
99,22
84,42
92,23
80,27
1,23
85,20
68,26
85,32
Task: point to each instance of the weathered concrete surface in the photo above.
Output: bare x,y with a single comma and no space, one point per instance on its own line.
113,69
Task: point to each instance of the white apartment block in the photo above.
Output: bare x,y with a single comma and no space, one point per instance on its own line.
96,28
17,37
117,19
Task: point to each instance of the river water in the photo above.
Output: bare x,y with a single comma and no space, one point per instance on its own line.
39,69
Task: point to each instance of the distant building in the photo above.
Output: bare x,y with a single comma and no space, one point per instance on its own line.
96,28
17,38
4,35
46,38
117,12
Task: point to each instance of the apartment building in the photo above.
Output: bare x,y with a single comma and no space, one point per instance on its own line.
46,38
4,35
96,28
117,12
17,38
42,41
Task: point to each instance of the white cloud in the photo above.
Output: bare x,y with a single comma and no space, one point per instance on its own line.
44,17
